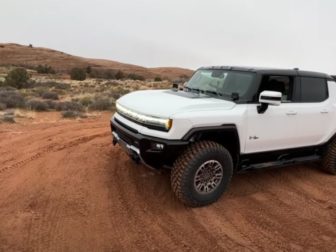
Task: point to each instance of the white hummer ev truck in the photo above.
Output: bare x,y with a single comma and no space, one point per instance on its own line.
229,119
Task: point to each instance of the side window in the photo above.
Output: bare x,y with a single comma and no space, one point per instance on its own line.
313,89
283,84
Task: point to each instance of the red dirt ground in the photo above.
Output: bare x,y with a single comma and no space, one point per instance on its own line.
64,187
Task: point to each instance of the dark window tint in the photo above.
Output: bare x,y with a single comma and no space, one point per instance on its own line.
313,89
283,84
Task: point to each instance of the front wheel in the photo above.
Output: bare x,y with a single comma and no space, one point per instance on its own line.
202,173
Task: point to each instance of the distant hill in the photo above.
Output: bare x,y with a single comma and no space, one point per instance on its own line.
20,55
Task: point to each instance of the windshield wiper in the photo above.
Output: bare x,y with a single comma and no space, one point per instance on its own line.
194,90
212,92
233,96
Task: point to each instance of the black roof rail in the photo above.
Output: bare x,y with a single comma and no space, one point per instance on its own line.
334,77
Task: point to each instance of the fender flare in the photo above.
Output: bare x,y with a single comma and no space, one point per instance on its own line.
225,128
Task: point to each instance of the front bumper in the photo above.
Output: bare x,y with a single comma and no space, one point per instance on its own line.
143,148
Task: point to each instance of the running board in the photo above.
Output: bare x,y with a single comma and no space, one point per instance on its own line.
293,161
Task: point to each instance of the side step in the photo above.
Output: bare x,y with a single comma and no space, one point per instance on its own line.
311,158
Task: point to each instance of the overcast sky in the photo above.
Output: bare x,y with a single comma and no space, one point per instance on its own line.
185,33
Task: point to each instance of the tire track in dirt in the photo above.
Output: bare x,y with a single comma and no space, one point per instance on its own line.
52,148
65,188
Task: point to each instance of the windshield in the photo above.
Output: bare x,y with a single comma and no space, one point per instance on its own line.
221,82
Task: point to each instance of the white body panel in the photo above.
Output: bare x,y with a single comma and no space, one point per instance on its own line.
289,125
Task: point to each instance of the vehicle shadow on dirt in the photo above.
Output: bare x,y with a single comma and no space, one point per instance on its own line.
140,183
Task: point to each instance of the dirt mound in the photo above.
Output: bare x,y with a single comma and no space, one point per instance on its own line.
15,54
64,187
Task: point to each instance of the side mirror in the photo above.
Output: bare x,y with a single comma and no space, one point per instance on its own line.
268,98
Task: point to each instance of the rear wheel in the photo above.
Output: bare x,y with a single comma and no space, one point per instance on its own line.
202,173
329,159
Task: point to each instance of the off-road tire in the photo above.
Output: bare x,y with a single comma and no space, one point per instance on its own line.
186,165
329,159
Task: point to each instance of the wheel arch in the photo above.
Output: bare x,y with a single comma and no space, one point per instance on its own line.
226,135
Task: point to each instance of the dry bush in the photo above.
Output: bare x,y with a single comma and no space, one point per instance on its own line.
2,106
118,92
45,69
69,106
102,103
133,76
8,117
78,74
11,98
85,101
49,95
37,105
72,114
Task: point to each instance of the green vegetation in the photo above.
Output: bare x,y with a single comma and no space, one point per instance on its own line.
157,78
17,78
119,75
73,99
45,69
133,76
78,74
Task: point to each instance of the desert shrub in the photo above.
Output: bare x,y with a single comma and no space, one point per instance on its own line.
8,116
69,105
134,76
17,78
51,104
11,98
49,95
88,69
157,78
119,75
57,85
85,101
71,114
101,103
109,75
78,74
2,46
7,88
2,106
94,73
103,74
30,45
38,91
118,92
37,105
45,69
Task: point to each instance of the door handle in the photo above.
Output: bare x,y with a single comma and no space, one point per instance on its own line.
291,113
324,112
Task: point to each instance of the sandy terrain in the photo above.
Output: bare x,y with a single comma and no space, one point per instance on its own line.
63,187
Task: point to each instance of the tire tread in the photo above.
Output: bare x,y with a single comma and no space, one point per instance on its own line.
183,162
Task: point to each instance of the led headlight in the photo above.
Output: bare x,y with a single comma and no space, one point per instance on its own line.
155,122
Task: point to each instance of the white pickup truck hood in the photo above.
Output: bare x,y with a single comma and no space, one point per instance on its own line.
166,103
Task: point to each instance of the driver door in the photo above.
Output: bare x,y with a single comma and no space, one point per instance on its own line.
276,128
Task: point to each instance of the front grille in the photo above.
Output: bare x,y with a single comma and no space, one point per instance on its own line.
126,137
